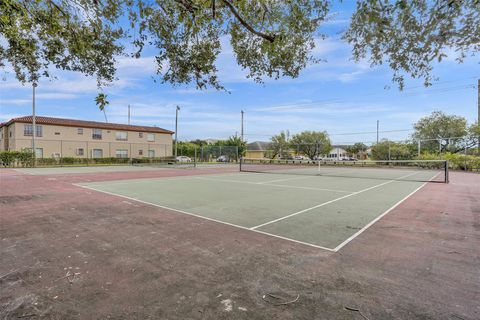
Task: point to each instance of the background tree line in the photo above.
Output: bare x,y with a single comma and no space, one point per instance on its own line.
436,134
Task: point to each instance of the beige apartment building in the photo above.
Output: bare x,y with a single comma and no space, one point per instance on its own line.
56,137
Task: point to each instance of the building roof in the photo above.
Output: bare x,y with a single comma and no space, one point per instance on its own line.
258,146
85,124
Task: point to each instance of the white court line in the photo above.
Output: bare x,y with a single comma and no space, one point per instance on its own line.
142,180
267,183
24,172
284,179
206,218
331,201
341,245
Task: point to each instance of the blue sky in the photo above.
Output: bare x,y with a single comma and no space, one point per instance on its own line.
339,96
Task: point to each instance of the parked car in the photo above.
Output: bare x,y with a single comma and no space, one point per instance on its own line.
183,159
300,158
223,159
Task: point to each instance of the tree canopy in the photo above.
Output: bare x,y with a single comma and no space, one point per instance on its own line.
269,38
357,148
390,150
410,36
440,132
311,143
279,145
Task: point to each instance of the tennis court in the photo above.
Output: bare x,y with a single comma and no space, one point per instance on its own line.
325,209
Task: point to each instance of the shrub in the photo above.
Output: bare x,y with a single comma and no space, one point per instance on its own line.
456,161
47,162
25,158
8,158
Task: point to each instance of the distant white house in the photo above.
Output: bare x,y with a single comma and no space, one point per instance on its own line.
337,152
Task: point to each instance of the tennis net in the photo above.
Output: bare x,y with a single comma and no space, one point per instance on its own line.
164,163
408,170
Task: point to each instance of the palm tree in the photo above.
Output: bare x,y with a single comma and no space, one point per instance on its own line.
101,101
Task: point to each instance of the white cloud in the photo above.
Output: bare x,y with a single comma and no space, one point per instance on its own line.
15,101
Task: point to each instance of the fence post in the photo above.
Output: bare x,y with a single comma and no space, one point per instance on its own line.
130,152
466,166
88,157
61,153
389,155
195,158
419,147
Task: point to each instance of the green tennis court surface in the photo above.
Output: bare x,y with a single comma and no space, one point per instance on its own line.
321,211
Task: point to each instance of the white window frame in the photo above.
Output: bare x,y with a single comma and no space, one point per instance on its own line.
28,130
77,152
38,152
94,150
150,137
151,153
121,136
121,153
97,134
80,131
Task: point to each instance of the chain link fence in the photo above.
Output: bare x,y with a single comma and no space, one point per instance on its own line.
209,153
462,152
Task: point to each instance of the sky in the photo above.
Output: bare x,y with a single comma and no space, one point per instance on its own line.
340,96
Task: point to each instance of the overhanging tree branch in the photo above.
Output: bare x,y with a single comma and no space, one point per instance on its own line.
237,15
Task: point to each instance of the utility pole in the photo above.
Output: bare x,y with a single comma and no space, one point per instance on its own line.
378,124
34,124
241,128
128,114
478,112
176,130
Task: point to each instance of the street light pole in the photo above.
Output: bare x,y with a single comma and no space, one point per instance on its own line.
241,129
378,125
176,130
34,125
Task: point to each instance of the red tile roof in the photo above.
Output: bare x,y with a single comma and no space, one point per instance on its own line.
85,124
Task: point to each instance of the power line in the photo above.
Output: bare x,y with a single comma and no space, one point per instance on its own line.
338,134
405,93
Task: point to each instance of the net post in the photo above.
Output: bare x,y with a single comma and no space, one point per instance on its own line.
195,158
447,180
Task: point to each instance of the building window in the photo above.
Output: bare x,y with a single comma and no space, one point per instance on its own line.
121,153
97,134
140,134
97,153
28,130
151,153
10,134
57,133
140,152
38,152
80,131
121,135
150,137
80,152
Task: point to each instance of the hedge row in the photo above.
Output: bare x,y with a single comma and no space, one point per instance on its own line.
456,161
24,158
